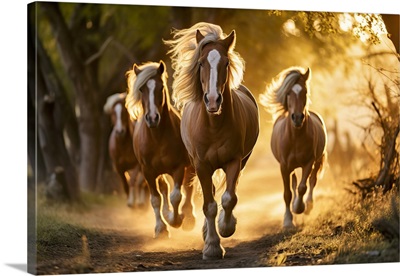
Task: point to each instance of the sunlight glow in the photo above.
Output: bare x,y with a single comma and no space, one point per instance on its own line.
289,28
346,22
365,21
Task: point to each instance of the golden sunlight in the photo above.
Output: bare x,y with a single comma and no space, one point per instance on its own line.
289,28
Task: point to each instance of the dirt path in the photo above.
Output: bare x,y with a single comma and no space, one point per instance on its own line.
121,239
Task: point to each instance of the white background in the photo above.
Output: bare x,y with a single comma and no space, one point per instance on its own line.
13,134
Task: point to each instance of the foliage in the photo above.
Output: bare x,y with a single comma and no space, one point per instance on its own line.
343,233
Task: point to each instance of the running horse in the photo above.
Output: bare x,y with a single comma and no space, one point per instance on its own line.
298,139
120,149
158,146
220,119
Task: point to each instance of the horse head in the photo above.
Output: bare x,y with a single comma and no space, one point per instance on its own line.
153,95
297,100
115,107
214,70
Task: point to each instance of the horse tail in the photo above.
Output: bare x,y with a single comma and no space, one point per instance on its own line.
324,165
219,180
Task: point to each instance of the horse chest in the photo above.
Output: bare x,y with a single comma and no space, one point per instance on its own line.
299,153
219,151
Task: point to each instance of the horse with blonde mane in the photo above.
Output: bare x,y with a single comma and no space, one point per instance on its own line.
158,145
298,138
120,149
220,119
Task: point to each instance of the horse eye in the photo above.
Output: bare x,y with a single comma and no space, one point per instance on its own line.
200,64
227,63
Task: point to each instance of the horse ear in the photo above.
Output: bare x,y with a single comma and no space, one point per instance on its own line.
136,69
161,68
307,73
199,36
230,40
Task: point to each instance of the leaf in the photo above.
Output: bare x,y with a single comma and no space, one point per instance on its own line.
281,259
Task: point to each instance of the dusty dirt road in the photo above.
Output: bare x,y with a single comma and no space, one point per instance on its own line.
123,241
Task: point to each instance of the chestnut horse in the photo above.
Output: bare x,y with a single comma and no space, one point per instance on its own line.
121,151
158,145
220,119
298,139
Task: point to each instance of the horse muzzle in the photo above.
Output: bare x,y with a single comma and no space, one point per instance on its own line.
120,131
213,104
152,121
297,120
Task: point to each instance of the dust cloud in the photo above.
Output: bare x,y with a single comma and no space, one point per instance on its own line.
259,210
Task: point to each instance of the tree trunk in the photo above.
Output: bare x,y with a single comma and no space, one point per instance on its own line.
392,23
65,118
85,91
51,138
35,156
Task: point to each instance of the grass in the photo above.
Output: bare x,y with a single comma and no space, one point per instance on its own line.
58,224
344,234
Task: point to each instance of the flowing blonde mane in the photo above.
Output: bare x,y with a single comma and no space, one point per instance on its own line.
111,100
274,97
185,54
133,101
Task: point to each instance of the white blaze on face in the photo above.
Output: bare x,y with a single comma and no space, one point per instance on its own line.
297,89
118,112
151,85
213,58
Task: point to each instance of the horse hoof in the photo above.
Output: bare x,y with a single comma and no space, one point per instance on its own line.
164,234
188,223
226,226
309,207
175,221
213,252
298,207
288,225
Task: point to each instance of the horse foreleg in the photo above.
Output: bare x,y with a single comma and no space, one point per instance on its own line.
175,219
294,188
164,190
189,219
227,221
298,205
313,182
161,230
212,247
142,190
133,191
125,185
287,195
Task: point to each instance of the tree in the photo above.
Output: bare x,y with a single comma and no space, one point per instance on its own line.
50,136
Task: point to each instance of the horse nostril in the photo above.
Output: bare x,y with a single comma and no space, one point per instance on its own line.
157,118
293,117
219,99
206,98
302,116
